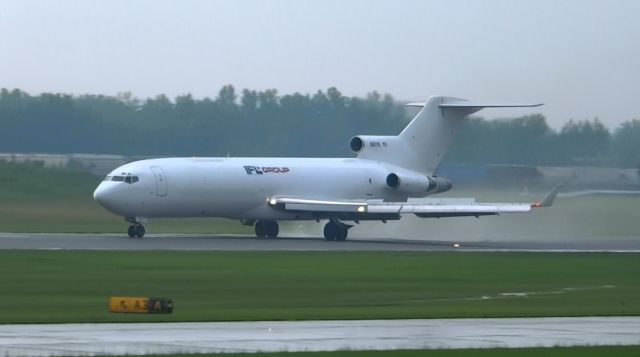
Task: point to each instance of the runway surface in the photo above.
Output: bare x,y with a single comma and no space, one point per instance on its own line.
210,337
238,242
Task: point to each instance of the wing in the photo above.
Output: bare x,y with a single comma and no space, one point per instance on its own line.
378,210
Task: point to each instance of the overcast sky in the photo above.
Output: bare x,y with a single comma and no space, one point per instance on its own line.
581,58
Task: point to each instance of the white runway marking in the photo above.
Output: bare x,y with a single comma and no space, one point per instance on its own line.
163,338
510,295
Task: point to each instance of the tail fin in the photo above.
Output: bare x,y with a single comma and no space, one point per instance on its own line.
430,133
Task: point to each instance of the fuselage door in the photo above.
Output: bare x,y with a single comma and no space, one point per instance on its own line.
161,181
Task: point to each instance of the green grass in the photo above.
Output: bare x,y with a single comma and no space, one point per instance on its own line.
73,286
489,352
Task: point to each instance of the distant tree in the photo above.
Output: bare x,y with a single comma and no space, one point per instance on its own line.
320,101
520,140
263,123
268,99
227,96
336,100
128,99
627,144
585,140
185,107
249,100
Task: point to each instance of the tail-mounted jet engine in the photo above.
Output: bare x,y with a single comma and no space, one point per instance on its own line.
363,143
417,184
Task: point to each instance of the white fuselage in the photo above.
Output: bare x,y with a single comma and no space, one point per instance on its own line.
240,188
265,190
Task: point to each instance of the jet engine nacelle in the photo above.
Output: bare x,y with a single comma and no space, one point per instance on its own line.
442,184
364,143
415,184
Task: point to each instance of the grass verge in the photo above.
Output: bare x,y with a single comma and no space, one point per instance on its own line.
73,286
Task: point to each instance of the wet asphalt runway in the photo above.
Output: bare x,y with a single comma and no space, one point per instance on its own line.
269,336
52,241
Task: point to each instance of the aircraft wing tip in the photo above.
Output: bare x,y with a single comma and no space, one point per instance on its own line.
550,197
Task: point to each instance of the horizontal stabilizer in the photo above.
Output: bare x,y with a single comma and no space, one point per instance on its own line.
477,105
482,105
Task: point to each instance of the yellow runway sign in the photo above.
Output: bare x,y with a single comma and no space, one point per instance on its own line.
140,305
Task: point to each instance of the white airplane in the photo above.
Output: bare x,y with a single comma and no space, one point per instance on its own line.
375,185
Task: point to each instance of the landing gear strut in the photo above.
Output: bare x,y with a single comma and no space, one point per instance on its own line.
267,229
336,230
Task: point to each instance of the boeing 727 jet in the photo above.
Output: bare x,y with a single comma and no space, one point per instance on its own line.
375,185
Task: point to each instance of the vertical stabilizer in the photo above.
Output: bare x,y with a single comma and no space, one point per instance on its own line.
430,133
422,144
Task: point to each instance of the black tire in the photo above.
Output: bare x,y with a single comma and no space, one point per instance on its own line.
272,229
140,231
342,232
261,229
131,231
330,231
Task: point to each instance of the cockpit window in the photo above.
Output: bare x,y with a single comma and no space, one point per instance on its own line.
128,178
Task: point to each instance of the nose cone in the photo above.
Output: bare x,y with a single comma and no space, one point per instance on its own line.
104,195
99,194
115,197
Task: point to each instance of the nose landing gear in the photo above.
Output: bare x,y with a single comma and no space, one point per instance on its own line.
136,229
267,229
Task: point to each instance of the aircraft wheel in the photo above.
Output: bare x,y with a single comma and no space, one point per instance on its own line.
272,229
140,231
330,230
342,232
261,229
131,231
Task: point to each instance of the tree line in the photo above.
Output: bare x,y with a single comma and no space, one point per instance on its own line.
265,123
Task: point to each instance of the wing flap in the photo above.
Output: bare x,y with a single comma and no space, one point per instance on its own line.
430,209
377,208
322,207
450,209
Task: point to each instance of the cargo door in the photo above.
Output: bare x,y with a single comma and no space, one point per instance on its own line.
161,181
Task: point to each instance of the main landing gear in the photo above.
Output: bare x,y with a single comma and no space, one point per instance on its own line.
136,229
336,230
268,229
